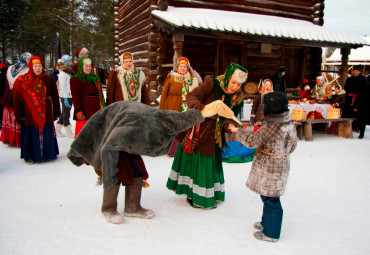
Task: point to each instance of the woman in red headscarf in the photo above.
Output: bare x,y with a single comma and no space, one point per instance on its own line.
36,106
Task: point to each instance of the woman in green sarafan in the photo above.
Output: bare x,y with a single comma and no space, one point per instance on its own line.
199,174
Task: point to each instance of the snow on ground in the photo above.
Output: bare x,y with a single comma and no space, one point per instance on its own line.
54,207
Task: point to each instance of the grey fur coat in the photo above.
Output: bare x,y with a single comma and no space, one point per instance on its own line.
131,127
269,173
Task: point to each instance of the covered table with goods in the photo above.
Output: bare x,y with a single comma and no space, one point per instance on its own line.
307,107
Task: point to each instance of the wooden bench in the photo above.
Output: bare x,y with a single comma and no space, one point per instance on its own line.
344,127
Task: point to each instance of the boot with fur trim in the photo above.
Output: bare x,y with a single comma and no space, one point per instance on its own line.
58,131
218,107
69,131
109,206
260,236
132,201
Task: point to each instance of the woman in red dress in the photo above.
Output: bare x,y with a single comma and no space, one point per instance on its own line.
87,94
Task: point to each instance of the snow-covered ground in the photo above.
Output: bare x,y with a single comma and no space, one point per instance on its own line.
54,207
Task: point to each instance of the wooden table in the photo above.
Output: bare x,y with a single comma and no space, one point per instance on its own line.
344,127
322,108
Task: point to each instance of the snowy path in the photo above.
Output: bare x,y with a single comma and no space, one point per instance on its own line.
54,208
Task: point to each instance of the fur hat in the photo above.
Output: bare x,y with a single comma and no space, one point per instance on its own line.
275,102
282,69
358,68
66,59
80,52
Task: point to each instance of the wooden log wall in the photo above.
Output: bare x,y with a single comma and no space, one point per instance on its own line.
135,33
297,9
153,49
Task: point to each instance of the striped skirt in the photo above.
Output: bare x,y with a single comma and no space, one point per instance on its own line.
198,177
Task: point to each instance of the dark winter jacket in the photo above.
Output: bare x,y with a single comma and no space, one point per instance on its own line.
3,85
357,98
277,137
279,82
339,99
128,126
257,109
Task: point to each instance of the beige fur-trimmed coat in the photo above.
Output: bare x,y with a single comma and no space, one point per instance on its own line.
269,173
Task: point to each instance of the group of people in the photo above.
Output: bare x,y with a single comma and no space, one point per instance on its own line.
351,99
197,170
31,103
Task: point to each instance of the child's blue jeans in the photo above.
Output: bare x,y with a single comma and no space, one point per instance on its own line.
272,216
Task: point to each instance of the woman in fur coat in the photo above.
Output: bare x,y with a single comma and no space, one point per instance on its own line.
198,174
275,140
176,86
87,94
11,129
36,106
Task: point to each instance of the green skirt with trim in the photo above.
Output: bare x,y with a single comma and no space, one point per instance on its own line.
198,177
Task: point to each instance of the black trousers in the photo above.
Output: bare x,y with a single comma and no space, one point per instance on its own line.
66,112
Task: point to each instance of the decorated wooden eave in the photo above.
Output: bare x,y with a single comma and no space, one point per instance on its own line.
261,28
262,34
248,26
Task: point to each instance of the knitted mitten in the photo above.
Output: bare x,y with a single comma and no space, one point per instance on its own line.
218,107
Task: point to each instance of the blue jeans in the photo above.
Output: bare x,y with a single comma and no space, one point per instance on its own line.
272,216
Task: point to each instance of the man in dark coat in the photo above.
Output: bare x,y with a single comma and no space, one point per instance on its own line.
3,69
279,80
357,102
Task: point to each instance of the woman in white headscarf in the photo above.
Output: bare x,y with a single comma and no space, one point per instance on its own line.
11,130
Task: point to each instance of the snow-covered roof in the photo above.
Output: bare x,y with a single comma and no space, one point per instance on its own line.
356,57
252,24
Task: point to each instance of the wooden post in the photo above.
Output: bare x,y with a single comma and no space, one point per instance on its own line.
343,72
178,45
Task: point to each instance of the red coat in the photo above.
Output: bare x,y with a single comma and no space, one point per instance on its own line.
85,97
52,108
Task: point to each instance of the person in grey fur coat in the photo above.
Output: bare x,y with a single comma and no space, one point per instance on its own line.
275,140
135,129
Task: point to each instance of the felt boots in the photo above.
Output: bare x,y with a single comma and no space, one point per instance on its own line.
109,206
69,131
58,128
132,201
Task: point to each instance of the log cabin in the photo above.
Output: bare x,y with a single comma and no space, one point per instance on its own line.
259,35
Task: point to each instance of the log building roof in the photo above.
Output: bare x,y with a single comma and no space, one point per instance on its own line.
213,23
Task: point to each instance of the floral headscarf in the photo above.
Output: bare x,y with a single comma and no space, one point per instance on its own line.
33,90
22,63
234,101
90,77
